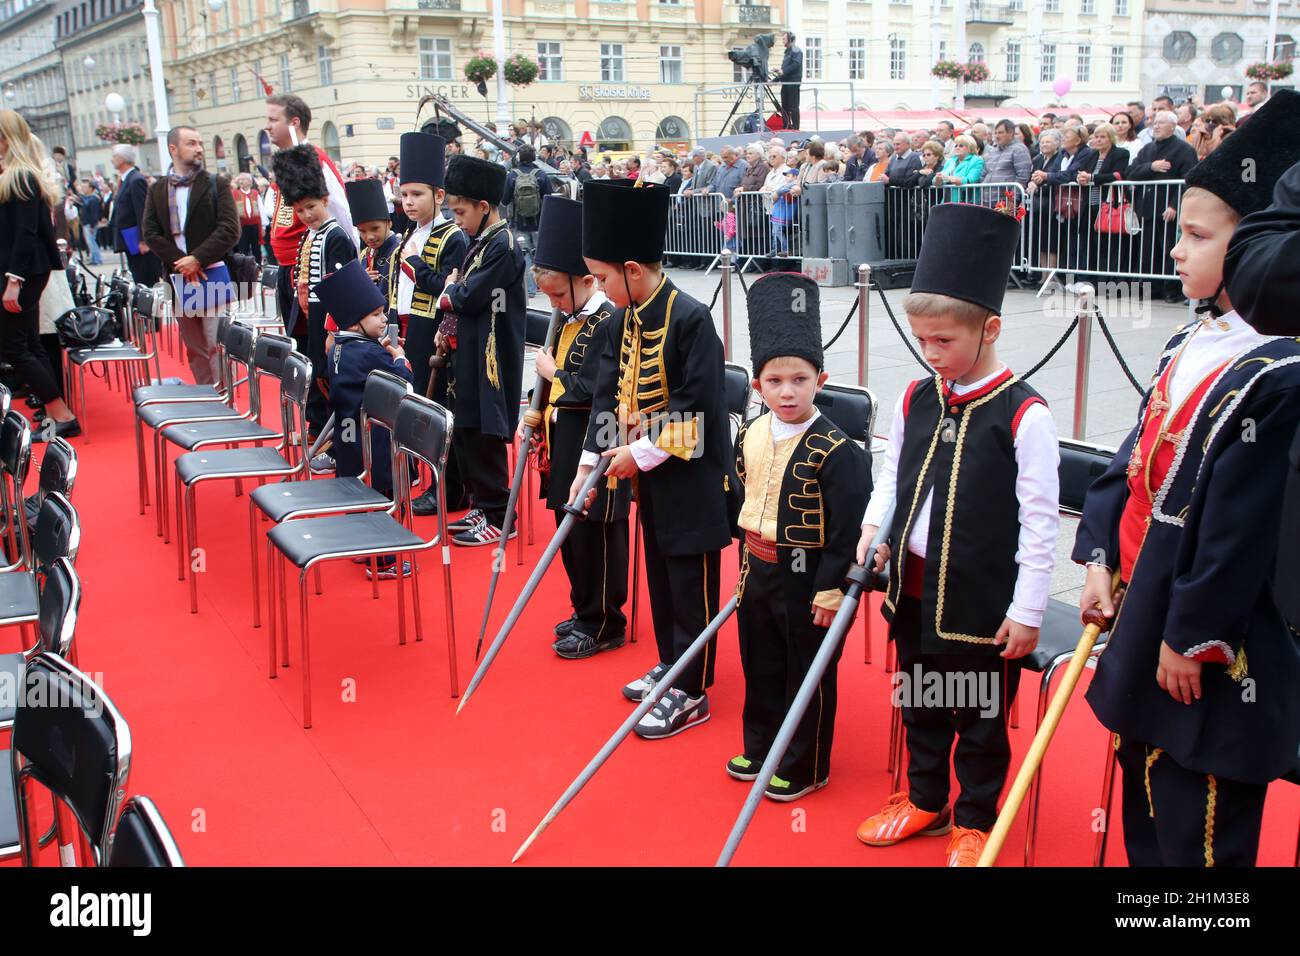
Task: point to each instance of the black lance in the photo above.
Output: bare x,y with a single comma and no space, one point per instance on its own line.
625,728
860,579
532,418
575,510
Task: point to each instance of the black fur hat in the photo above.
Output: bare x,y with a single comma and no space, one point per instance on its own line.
1243,170
784,319
298,174
476,179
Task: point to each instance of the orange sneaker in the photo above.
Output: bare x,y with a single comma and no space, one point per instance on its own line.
900,819
966,845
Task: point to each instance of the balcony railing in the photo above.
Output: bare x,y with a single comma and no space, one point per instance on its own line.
990,13
748,14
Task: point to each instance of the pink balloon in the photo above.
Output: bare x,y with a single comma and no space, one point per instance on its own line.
1062,85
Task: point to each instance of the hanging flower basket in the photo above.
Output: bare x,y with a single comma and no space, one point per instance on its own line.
975,72
132,134
1267,72
520,70
480,68
948,70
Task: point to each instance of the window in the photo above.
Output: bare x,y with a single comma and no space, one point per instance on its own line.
857,58
812,58
1013,62
1016,5
1284,48
549,56
212,89
194,93
258,90
1179,47
976,54
235,95
286,75
611,62
1121,8
435,58
739,74
1087,7
1048,72
1083,72
670,64
897,58
1225,49
1052,6
325,61
1117,64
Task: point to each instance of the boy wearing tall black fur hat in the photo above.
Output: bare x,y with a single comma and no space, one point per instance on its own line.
325,247
595,552
972,469
659,414
1198,680
804,482
487,297
369,211
432,247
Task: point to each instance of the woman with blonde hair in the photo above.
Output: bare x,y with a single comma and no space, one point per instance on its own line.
28,254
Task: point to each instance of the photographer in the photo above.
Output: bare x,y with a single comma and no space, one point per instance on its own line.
790,77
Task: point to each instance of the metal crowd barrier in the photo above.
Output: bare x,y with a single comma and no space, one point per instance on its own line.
766,227
695,228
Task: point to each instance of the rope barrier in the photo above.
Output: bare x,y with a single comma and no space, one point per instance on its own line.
721,276
899,329
843,325
1074,324
1110,340
741,276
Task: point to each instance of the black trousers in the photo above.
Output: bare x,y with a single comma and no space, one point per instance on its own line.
790,104
146,268
484,471
250,241
778,642
595,559
295,324
683,599
931,721
20,340
1178,817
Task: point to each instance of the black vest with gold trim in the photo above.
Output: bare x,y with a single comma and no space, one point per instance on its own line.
422,303
961,447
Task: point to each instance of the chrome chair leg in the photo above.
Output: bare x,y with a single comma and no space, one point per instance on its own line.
1107,796
373,564
415,593
192,519
866,633
898,755
163,517
316,574
528,470
180,534
143,469
1036,783
282,586
272,612
447,592
306,650
252,556
895,721
401,604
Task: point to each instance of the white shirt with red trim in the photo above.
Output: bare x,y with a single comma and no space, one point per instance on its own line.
1037,490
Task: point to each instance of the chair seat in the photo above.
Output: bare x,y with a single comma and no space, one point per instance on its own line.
283,499
144,394
231,463
1058,635
313,538
193,434
8,806
19,599
11,672
105,353
156,415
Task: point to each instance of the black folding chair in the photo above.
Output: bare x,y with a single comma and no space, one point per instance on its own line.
286,460
287,500
141,838
76,747
58,474
421,434
131,355
59,602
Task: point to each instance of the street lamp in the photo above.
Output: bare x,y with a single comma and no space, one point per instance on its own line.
154,41
88,63
114,103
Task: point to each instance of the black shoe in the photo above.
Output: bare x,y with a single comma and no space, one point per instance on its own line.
69,429
578,646
565,628
33,402
426,504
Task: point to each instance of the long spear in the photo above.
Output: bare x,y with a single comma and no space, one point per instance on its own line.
625,728
532,418
574,512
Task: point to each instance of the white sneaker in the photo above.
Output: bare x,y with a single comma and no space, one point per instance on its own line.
674,713
323,464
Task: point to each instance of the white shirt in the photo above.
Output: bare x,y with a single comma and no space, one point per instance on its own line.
781,431
182,213
1037,490
1207,349
414,246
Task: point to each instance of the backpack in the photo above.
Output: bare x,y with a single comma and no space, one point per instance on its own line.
528,194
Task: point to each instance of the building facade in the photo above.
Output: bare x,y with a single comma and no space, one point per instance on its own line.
31,70
102,45
1199,47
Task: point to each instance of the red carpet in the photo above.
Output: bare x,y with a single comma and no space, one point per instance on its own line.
396,778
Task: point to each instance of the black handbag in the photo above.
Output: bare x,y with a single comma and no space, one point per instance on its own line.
242,268
86,327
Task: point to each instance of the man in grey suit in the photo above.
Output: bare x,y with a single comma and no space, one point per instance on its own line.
128,213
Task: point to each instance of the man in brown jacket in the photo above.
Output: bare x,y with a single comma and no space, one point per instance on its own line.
190,229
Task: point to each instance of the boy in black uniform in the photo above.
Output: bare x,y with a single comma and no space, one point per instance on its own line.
430,250
972,467
361,346
487,297
369,211
803,483
659,413
1199,679
595,552
325,247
